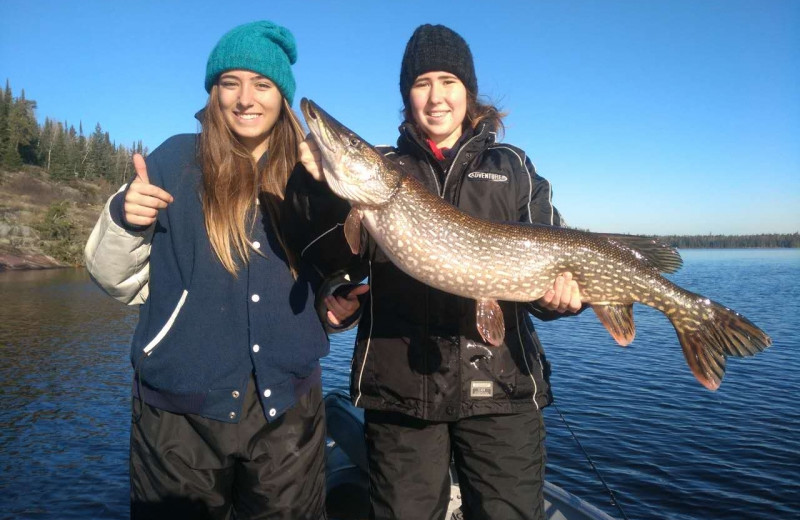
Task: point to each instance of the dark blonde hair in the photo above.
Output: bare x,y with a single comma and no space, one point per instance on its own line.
232,181
477,112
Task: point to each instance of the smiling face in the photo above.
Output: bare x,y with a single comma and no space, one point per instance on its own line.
438,105
251,104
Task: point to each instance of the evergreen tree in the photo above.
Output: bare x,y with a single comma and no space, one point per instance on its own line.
97,153
24,129
85,168
9,156
59,155
20,131
107,166
73,153
5,108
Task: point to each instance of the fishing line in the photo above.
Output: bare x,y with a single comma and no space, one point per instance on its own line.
597,472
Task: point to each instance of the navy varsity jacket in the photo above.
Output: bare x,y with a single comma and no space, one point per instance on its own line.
203,332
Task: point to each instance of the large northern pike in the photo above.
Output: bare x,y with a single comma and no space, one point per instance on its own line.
445,248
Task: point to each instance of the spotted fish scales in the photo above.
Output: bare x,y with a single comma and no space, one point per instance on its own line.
445,248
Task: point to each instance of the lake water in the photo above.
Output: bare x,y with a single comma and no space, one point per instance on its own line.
665,445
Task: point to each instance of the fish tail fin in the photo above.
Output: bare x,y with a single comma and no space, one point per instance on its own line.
721,333
618,321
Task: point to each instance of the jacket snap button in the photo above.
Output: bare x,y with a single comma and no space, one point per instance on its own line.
235,394
232,415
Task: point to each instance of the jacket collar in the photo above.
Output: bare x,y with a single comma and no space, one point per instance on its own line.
411,142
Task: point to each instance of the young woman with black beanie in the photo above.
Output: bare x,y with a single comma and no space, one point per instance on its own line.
432,391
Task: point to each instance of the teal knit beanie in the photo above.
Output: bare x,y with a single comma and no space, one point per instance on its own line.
262,47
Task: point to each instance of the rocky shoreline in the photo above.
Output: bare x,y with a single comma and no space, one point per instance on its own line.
19,249
28,261
35,236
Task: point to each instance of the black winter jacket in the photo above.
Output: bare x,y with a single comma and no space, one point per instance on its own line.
418,351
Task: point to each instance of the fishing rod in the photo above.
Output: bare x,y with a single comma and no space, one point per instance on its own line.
596,471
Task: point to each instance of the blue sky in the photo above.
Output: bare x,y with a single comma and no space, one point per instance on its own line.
653,117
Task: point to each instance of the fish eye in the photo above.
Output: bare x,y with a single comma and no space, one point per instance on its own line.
353,141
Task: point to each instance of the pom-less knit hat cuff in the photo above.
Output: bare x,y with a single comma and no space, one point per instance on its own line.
262,47
436,47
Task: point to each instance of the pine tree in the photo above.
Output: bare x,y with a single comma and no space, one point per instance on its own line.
25,128
59,155
85,168
73,153
96,153
21,130
108,171
5,108
9,156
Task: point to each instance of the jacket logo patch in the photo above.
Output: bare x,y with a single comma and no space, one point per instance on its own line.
487,176
480,389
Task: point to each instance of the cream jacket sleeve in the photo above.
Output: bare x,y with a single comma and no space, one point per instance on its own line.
118,260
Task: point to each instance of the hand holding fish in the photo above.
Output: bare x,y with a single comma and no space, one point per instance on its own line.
564,296
342,307
311,158
143,200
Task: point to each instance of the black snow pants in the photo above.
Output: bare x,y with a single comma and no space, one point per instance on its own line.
187,466
499,461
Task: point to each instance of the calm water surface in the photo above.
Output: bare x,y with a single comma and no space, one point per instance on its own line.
668,447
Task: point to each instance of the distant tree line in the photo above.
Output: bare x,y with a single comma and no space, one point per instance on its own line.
64,152
732,241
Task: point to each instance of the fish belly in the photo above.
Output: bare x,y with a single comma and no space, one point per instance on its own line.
460,259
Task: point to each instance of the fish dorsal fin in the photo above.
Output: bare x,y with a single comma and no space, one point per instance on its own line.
489,319
652,251
352,230
618,320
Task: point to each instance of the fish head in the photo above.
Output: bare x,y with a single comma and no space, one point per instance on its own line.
353,168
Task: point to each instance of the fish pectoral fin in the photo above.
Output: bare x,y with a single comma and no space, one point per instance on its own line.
352,230
489,319
618,321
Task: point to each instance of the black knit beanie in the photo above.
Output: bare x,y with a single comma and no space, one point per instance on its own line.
435,47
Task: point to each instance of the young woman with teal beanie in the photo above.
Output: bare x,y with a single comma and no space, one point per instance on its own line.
228,417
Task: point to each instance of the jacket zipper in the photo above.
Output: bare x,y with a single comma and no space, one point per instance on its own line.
455,160
442,187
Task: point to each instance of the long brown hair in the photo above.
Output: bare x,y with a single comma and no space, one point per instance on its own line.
477,111
232,182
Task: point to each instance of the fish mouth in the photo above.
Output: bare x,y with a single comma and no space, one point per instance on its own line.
317,119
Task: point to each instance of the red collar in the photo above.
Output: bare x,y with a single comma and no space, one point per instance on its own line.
435,149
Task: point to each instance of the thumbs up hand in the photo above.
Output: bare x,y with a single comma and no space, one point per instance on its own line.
143,200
